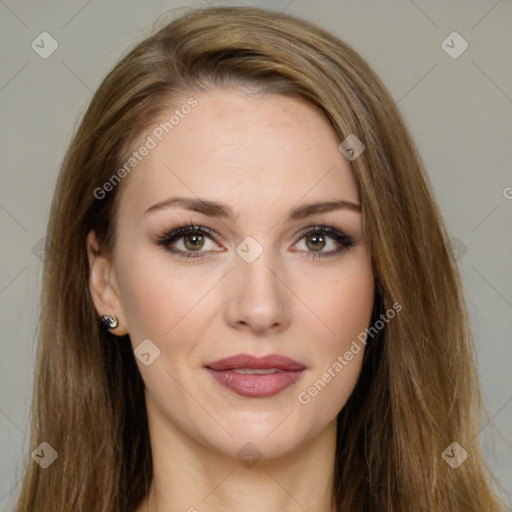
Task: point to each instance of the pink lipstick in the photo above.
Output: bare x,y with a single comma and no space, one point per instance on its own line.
256,377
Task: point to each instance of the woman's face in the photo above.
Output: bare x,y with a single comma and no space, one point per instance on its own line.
258,282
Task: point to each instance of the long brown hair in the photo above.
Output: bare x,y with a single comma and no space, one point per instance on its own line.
418,390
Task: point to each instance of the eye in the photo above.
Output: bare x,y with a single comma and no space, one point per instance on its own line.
320,237
189,241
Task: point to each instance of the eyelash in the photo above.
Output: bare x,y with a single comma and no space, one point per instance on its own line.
173,233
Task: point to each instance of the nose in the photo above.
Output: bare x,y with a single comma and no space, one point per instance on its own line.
258,298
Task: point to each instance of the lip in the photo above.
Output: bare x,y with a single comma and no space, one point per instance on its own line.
257,363
252,385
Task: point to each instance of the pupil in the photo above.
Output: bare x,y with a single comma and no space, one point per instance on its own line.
316,238
197,239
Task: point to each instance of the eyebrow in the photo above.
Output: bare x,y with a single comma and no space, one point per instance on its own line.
215,209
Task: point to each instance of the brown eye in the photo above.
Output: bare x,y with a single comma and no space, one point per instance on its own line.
315,242
187,241
193,242
324,241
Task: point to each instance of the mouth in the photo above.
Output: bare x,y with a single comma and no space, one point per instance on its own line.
256,377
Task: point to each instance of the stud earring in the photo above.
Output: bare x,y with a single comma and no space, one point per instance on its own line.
109,322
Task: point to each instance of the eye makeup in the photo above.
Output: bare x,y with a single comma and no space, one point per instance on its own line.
318,233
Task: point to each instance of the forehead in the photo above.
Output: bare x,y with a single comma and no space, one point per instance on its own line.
242,150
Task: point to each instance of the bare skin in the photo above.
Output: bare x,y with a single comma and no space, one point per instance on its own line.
262,158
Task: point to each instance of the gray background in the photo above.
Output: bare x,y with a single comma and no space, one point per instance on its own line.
458,110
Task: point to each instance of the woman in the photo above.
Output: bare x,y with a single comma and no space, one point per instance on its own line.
249,301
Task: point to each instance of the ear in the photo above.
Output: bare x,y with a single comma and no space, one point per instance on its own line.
103,284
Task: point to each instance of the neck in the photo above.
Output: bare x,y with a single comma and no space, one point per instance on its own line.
191,476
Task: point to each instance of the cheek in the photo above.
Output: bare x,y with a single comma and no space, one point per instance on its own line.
340,301
155,297
342,308
165,303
